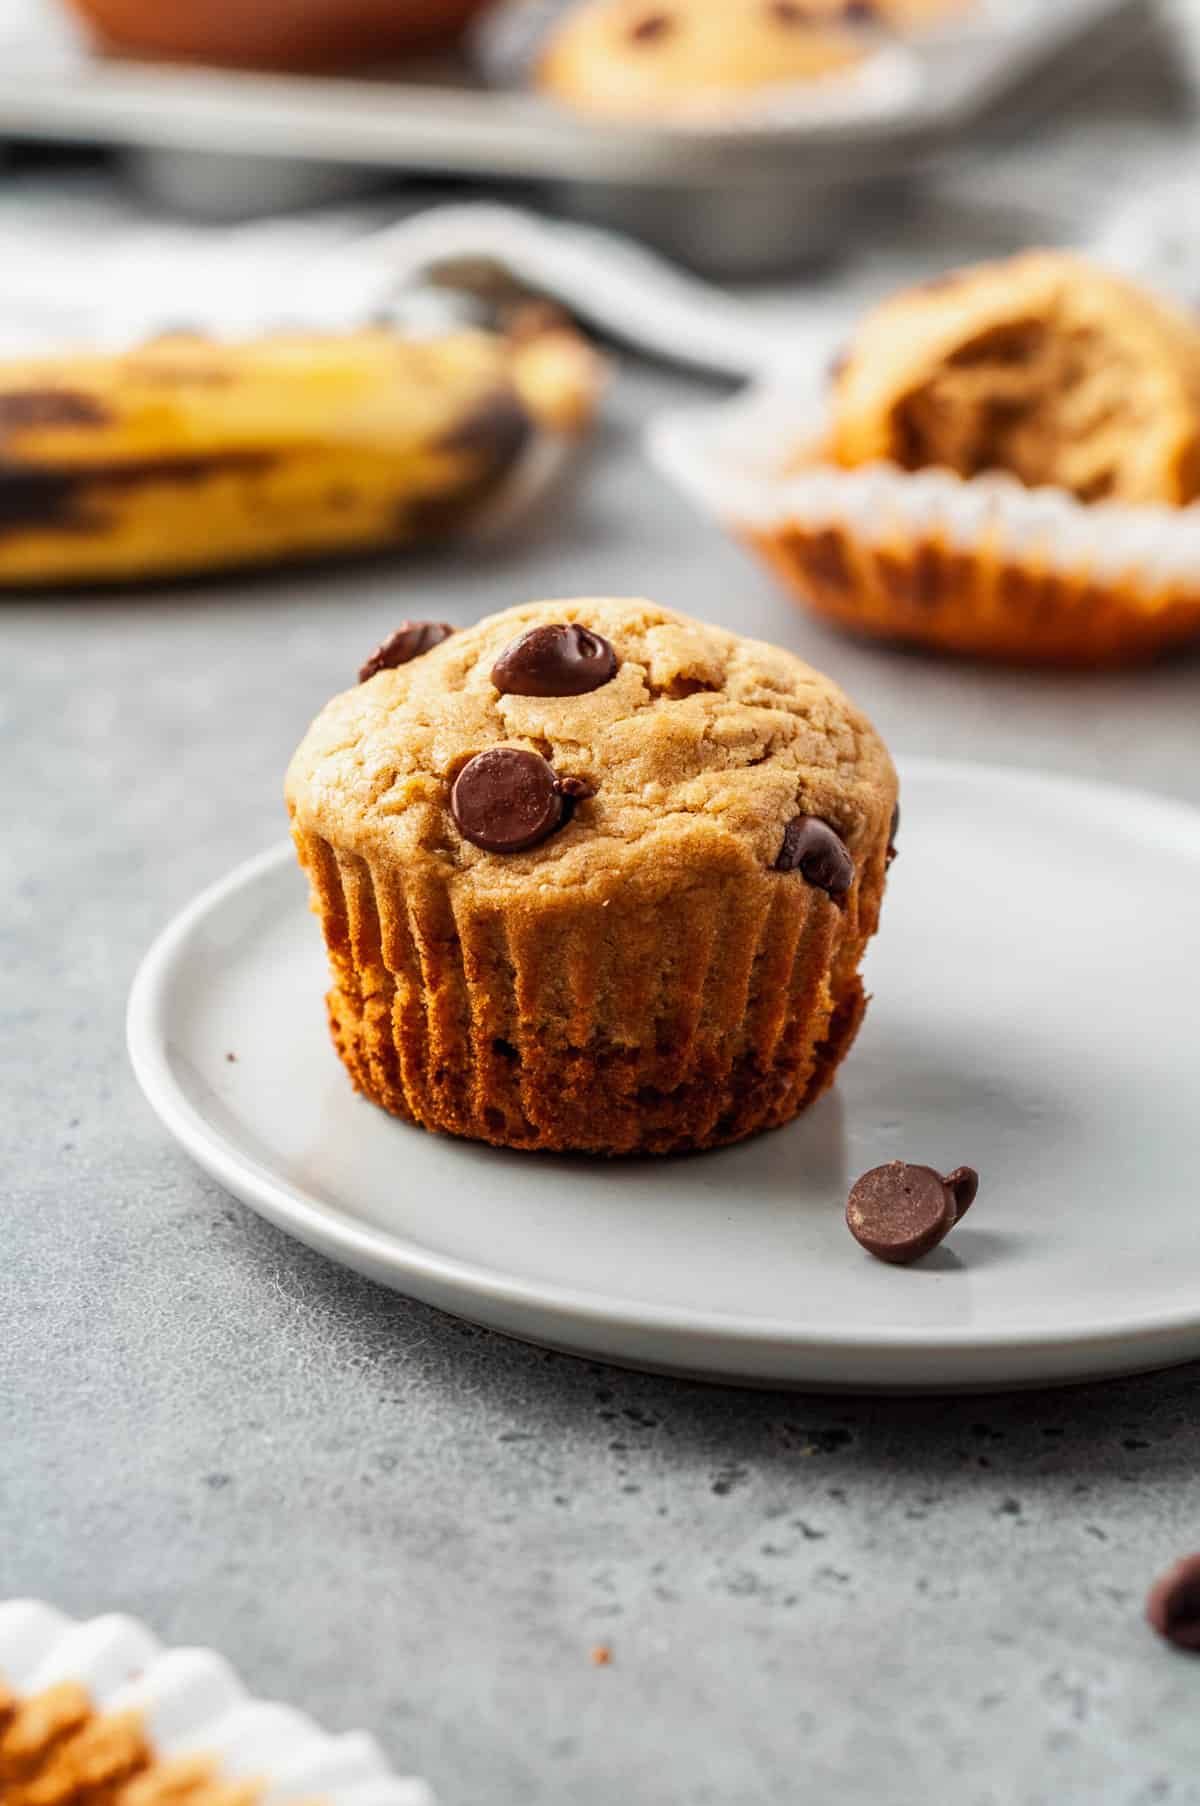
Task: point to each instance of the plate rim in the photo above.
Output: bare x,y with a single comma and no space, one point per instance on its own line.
325,1226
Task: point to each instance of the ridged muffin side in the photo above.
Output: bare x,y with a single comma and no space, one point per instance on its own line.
644,980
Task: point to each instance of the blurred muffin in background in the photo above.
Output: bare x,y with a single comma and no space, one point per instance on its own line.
1005,469
277,34
693,59
1043,366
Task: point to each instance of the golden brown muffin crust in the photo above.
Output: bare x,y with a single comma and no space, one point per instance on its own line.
702,747
1042,366
678,58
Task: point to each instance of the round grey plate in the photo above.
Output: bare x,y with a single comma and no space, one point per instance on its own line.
1037,991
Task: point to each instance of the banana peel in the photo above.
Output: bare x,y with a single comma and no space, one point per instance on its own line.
186,455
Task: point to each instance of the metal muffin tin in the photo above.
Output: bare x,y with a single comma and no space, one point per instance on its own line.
763,193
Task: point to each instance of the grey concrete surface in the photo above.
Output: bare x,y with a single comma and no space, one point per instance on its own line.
398,1521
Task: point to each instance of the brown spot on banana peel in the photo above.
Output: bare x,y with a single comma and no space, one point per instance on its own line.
59,499
25,410
492,435
425,518
497,428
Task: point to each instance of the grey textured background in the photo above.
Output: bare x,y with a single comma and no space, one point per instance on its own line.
399,1521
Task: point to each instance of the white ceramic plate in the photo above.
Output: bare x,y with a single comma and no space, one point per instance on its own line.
192,1703
1036,1012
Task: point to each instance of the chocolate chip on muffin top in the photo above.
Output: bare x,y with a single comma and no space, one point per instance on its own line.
409,641
507,799
557,659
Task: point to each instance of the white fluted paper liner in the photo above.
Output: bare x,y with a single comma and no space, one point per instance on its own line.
191,1702
734,459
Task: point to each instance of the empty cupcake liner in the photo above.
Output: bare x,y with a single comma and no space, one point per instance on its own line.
192,1703
982,566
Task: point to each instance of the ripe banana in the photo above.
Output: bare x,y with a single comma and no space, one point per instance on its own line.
186,455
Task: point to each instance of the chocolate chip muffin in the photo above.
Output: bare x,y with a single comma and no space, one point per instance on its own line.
1043,366
694,59
1006,464
593,876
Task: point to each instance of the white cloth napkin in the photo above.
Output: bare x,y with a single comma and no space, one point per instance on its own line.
82,261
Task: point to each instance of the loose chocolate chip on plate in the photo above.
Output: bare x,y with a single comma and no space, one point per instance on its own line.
555,660
1173,1607
811,847
507,799
409,641
898,1212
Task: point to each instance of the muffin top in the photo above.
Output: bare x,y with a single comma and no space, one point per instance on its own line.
692,749
646,59
1043,366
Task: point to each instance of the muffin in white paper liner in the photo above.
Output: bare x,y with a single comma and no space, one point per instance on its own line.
509,38
191,1703
982,566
